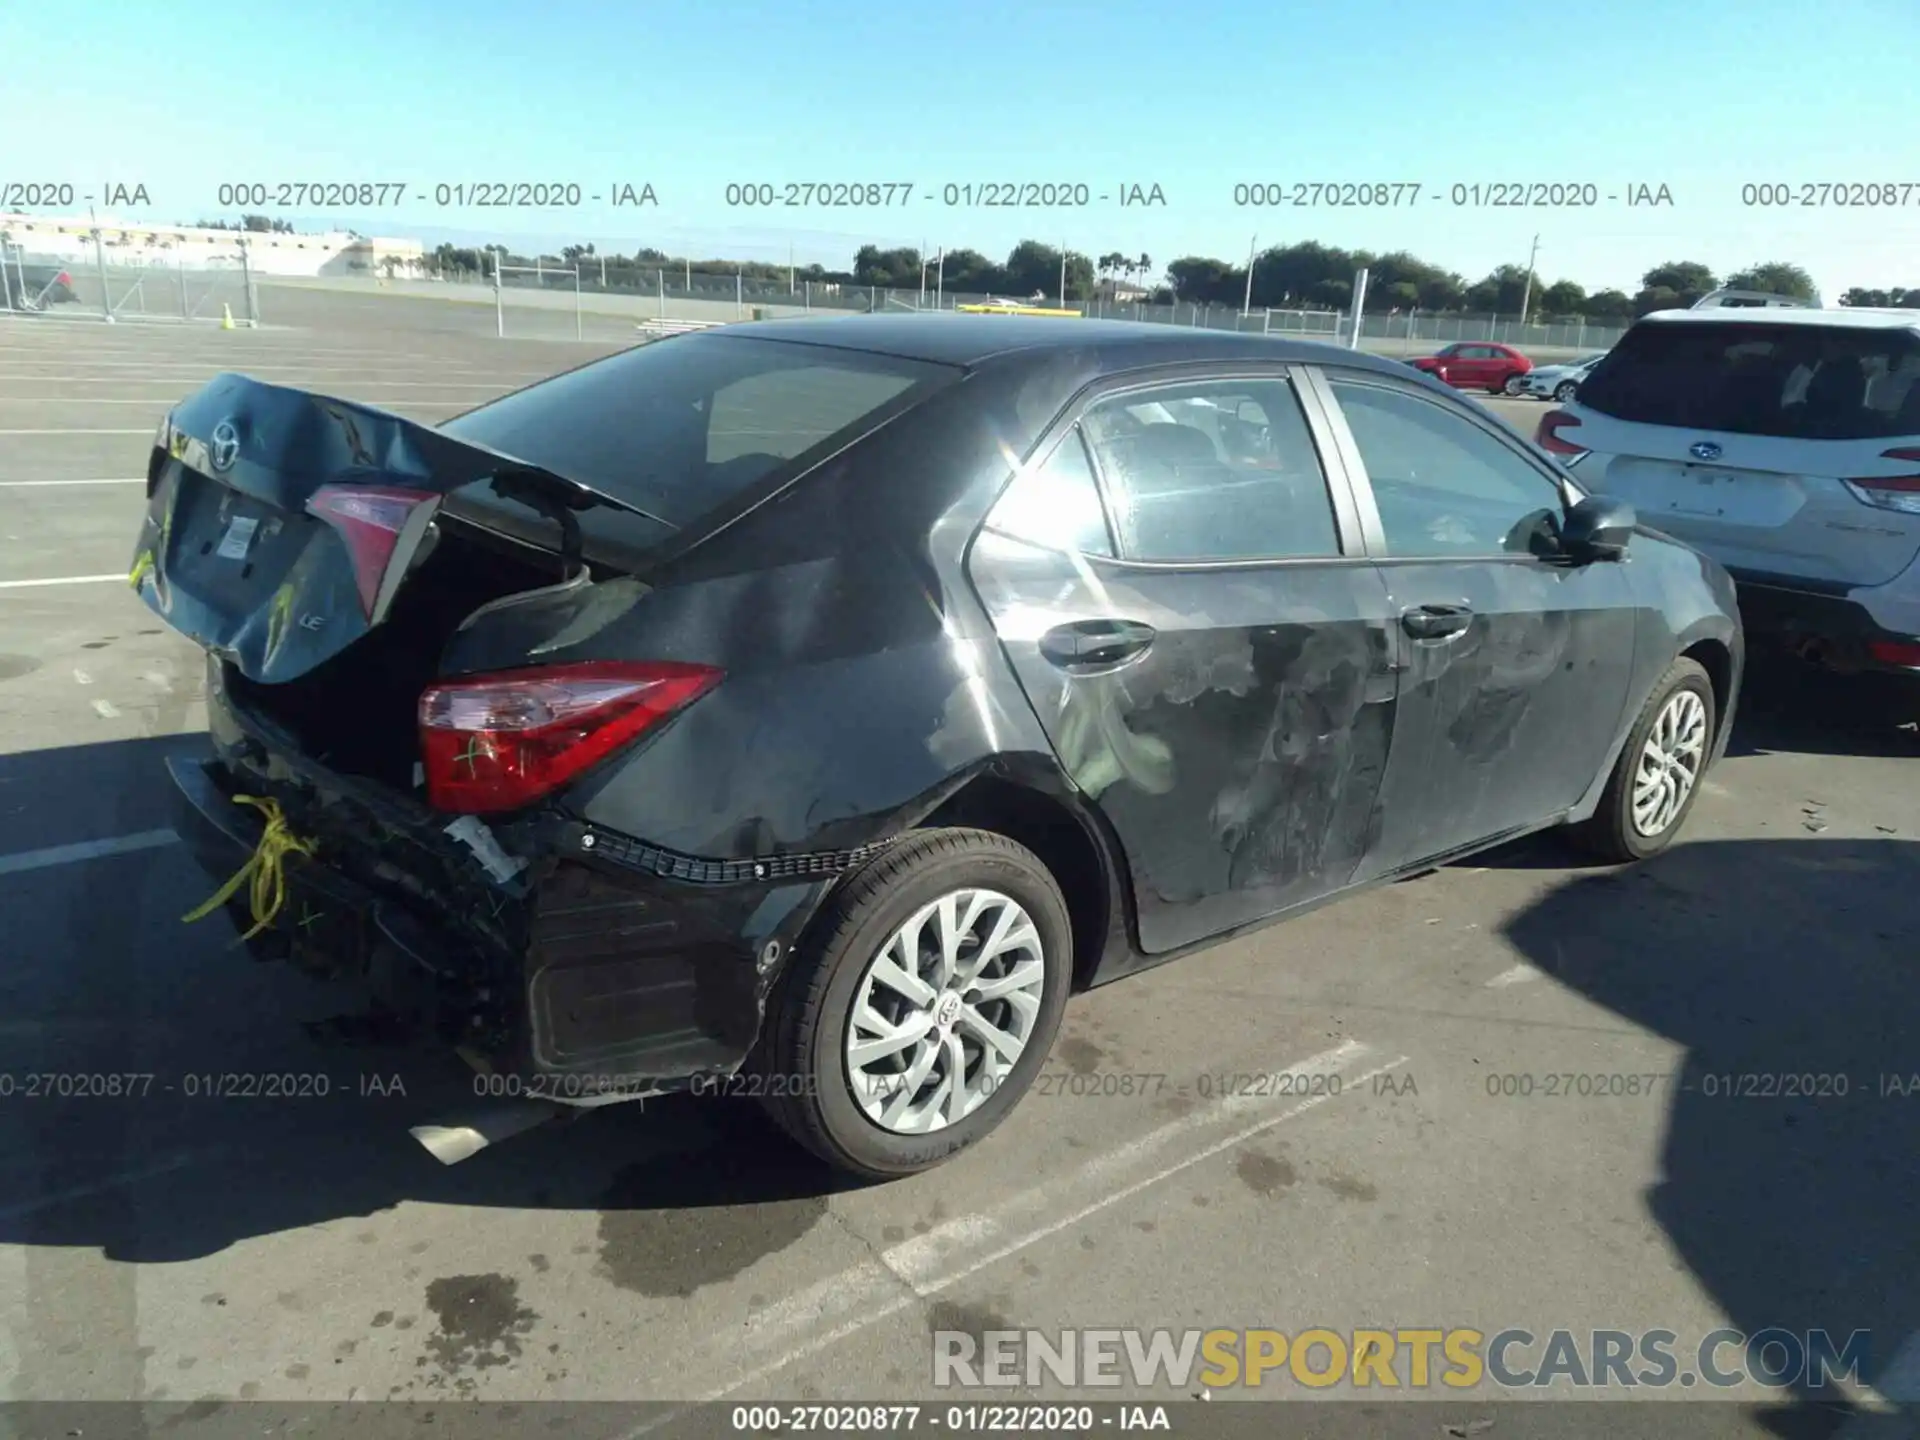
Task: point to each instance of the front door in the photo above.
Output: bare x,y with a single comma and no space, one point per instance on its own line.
1187,604
1514,663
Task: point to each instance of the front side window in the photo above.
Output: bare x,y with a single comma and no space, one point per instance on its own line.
1212,470
1444,486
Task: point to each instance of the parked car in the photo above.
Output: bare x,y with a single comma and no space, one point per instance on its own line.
1558,382
809,706
1785,442
1477,365
35,287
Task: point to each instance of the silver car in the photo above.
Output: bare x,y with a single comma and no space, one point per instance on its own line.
1558,382
1784,441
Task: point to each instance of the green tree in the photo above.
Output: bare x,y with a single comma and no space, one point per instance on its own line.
1563,297
1776,277
1201,280
1500,292
1610,305
1674,285
1032,268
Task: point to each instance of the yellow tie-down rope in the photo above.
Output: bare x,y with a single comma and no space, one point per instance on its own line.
265,868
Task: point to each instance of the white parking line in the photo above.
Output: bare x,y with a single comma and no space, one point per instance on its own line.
63,580
916,1270
33,484
25,860
86,430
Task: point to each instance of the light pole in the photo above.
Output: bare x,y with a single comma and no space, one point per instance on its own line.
1063,277
1526,295
1246,301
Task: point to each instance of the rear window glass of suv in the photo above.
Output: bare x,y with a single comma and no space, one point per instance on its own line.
1806,382
679,427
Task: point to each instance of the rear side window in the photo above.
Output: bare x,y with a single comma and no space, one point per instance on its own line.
1212,470
1056,503
1804,382
681,426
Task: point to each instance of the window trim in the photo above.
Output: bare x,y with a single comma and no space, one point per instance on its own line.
1348,519
1374,532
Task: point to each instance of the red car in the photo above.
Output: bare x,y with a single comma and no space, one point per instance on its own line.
1477,365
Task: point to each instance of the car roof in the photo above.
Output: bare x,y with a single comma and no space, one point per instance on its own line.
1842,317
969,340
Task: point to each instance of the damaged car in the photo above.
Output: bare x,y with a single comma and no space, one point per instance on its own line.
807,708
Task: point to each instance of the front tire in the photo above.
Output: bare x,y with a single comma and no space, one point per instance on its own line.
1657,777
1511,386
922,1007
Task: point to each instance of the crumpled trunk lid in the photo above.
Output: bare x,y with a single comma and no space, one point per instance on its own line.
234,554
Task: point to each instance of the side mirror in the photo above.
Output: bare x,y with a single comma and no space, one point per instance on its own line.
1598,528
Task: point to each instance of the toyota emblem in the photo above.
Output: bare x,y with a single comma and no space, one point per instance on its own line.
225,448
1704,450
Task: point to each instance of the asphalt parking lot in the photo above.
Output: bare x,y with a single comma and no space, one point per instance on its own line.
167,1245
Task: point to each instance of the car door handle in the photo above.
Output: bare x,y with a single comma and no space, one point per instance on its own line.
1435,622
1095,644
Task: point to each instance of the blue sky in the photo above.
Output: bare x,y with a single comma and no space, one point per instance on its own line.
1699,97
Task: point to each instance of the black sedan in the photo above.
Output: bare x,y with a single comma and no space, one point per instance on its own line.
806,708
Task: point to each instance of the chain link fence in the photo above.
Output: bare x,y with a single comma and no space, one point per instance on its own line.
681,293
104,287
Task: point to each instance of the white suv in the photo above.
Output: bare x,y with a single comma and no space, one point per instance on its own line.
1784,442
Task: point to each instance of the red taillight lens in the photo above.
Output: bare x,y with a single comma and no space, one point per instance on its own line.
1896,652
1548,437
1890,492
371,519
497,742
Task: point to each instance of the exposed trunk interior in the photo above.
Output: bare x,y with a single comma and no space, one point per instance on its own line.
356,713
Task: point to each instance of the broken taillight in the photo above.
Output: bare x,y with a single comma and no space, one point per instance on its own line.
372,519
498,742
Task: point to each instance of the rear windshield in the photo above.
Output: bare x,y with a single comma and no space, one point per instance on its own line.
681,426
1806,382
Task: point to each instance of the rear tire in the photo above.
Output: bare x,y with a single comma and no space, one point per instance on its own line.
839,1001
1563,392
1657,777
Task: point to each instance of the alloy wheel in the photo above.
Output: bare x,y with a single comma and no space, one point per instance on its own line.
1670,763
944,1011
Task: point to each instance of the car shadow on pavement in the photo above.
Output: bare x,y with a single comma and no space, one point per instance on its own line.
1791,1159
163,1096
1790,707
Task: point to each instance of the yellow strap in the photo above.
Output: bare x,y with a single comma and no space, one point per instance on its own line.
265,868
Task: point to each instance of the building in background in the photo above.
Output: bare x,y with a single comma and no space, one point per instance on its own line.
333,252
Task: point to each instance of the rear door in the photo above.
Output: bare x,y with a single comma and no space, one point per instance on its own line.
1785,451
1186,602
1514,663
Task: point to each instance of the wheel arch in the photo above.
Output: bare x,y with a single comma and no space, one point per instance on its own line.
1066,840
1715,657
